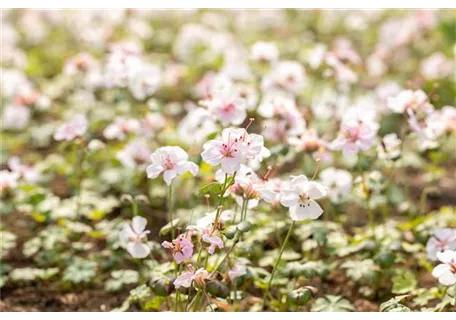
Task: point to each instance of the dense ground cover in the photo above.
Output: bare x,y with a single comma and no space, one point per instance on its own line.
237,160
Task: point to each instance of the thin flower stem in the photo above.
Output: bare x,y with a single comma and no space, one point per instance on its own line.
208,301
80,166
178,270
188,299
135,208
195,301
225,187
277,262
170,209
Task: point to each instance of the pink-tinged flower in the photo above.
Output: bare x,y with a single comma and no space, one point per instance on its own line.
307,141
248,94
172,161
213,240
28,173
344,51
246,187
8,180
449,113
181,248
120,128
135,155
408,99
300,198
338,183
437,66
389,147
355,135
185,280
228,150
32,98
285,75
264,52
228,108
429,127
144,81
446,271
15,117
271,189
132,236
208,220
237,271
443,239
75,128
343,73
80,64
152,123
197,125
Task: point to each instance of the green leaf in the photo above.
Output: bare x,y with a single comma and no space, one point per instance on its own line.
404,282
394,305
167,228
330,303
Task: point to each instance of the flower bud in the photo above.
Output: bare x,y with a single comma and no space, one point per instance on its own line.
230,232
299,297
162,287
217,289
244,226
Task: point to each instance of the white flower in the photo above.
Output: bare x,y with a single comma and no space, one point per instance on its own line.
120,128
317,55
172,161
209,219
355,134
390,147
197,125
408,99
8,180
449,113
75,128
185,280
338,183
152,123
286,75
437,66
271,189
132,237
134,155
145,81
300,198
237,271
228,150
446,271
28,173
15,117
443,239
264,51
228,108
248,94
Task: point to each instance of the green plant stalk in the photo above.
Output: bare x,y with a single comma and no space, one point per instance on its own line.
277,262
80,166
170,209
196,300
226,185
178,270
135,208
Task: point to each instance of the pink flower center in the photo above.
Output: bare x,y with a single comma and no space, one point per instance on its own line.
228,108
453,267
228,149
168,164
